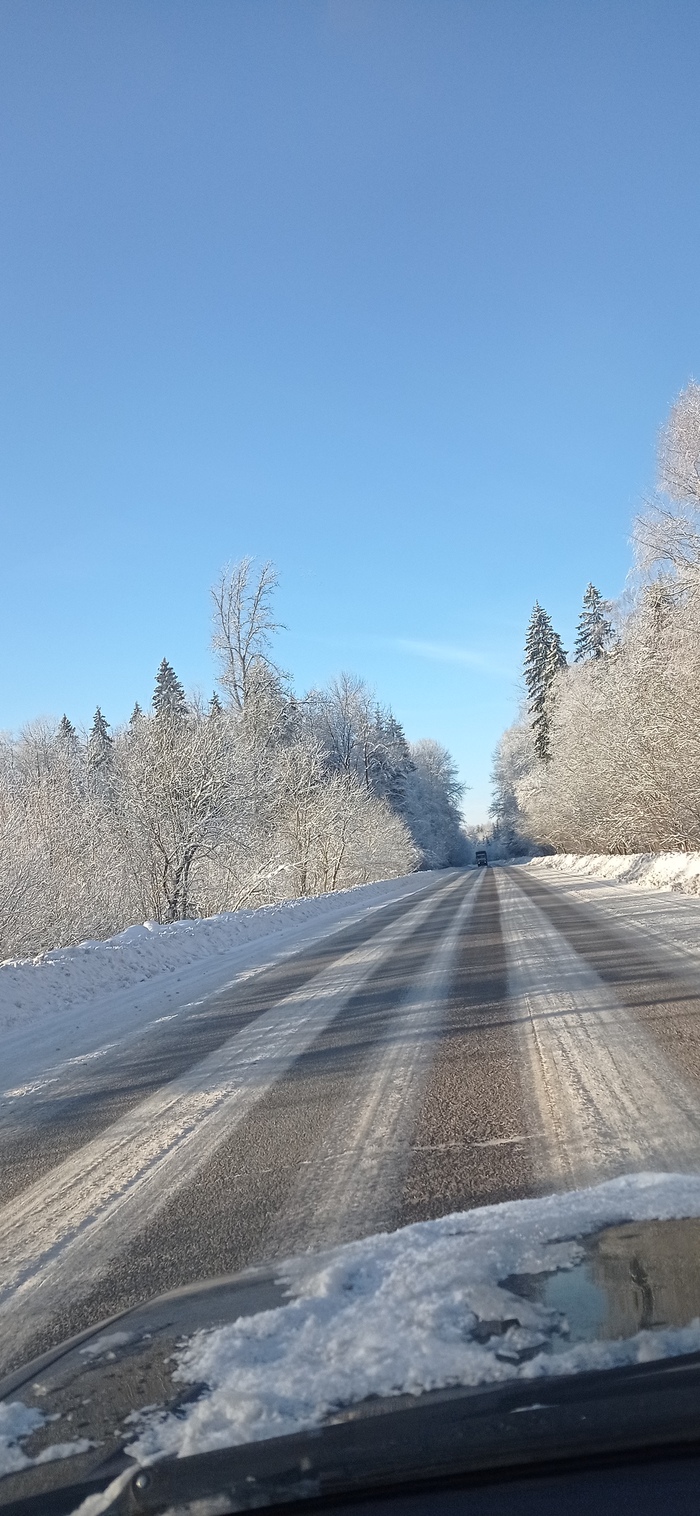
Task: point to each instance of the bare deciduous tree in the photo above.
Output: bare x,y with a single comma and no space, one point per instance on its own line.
679,448
667,533
176,788
243,626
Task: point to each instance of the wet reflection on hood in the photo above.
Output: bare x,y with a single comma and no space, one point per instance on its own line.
638,1276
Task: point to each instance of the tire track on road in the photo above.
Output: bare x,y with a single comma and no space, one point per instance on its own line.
657,984
354,1184
476,1128
231,1214
63,1232
42,1129
77,1223
608,1098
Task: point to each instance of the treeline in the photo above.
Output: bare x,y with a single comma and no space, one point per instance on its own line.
194,808
605,756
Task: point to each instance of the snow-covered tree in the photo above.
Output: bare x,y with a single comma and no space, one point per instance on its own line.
623,730
544,659
243,626
99,752
360,736
66,732
431,806
535,670
168,696
197,807
679,448
667,532
513,763
594,632
177,787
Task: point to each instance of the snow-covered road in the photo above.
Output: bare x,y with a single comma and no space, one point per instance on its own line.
609,1099
475,1038
78,1216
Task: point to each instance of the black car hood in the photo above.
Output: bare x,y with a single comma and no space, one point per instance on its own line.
93,1383
637,1275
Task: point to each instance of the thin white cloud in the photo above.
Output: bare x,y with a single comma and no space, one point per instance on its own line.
414,647
440,652
446,652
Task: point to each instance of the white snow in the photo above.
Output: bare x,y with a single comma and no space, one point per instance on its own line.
17,1422
651,871
105,1344
393,1314
75,1003
96,1505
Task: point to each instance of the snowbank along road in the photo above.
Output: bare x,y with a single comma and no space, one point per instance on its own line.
490,1036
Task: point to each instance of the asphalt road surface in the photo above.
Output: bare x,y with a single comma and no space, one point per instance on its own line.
497,1036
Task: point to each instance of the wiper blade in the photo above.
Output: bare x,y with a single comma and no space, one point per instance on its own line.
463,1436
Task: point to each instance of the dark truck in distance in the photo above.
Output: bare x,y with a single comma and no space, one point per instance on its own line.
481,859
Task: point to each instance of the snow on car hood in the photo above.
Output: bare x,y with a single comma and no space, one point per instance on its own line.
592,1279
420,1309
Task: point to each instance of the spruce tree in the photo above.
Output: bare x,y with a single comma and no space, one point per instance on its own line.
557,654
136,715
537,645
215,706
99,751
594,632
544,657
66,732
168,695
67,742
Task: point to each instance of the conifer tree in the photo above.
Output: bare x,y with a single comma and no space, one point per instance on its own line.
215,706
168,695
99,751
594,632
68,744
66,732
136,714
537,644
544,657
557,653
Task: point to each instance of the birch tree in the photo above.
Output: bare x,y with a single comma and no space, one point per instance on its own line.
243,626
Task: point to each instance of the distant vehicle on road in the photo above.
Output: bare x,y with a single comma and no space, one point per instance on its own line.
482,860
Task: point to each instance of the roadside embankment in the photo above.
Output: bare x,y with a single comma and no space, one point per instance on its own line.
66,977
650,871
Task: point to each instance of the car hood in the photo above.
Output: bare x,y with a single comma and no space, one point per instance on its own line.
93,1393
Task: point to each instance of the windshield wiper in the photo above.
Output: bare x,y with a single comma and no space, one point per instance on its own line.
459,1437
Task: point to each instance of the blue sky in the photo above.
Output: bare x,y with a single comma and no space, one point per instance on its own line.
394,292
